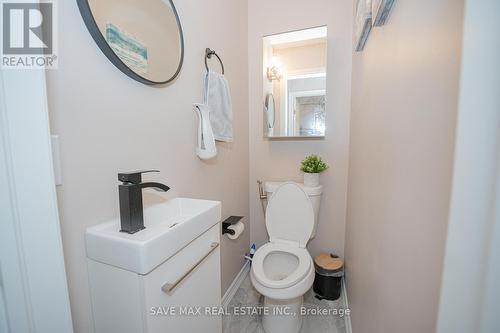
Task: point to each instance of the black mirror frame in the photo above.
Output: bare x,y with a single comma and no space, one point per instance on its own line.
96,34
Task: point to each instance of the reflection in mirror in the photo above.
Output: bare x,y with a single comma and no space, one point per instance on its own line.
295,79
142,38
269,114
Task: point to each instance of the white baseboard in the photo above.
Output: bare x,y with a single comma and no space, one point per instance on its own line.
233,288
347,319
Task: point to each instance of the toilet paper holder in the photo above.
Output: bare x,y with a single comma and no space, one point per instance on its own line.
228,222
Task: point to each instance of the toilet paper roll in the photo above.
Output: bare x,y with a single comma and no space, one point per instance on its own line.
238,230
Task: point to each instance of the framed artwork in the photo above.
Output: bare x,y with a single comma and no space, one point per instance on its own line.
362,23
132,52
381,10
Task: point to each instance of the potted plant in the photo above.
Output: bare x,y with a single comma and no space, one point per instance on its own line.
312,166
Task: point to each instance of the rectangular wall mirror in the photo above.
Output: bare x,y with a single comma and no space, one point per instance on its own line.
295,83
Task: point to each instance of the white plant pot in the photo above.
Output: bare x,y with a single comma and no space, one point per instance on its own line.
311,179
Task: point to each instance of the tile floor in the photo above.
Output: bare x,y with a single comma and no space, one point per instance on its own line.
248,296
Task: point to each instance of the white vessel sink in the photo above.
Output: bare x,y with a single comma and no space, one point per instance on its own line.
170,226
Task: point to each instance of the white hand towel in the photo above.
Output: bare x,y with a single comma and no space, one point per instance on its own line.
218,99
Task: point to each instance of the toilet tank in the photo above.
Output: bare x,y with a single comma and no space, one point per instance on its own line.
314,194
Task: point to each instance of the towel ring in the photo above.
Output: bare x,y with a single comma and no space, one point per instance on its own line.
208,55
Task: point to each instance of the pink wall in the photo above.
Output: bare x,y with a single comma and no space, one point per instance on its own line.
108,123
404,106
280,160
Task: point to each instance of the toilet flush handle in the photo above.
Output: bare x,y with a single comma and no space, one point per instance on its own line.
262,194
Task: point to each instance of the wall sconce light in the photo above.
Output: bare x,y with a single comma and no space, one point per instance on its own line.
275,72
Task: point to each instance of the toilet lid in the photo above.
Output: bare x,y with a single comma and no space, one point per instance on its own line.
290,215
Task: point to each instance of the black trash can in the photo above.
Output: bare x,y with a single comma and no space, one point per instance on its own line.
328,279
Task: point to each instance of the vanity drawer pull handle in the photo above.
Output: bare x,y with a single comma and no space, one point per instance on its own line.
168,288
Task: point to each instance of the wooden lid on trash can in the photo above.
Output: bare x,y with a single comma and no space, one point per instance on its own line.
328,262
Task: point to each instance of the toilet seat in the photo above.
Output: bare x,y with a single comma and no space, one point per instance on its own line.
302,269
289,222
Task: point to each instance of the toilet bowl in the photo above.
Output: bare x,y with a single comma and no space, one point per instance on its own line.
283,270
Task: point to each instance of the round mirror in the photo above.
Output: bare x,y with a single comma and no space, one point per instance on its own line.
270,110
141,38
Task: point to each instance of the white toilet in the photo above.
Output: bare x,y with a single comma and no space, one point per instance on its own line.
283,270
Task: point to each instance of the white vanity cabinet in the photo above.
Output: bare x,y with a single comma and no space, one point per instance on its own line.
127,302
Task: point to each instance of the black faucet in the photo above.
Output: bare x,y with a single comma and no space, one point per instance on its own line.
130,193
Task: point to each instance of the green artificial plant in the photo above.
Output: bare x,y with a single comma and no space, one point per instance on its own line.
313,164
